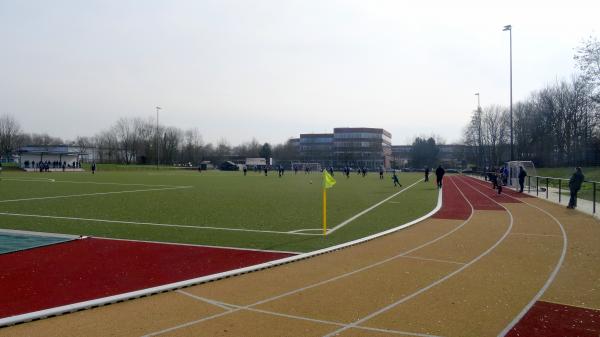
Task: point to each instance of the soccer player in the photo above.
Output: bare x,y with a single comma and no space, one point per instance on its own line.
93,167
245,170
426,173
380,172
396,180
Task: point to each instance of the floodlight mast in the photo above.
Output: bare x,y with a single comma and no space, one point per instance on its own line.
157,151
509,29
480,145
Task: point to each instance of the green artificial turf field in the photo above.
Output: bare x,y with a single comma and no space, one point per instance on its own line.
211,208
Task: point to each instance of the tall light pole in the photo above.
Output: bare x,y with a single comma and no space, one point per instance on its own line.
509,28
480,147
157,152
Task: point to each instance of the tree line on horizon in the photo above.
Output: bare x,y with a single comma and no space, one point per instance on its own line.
135,141
558,125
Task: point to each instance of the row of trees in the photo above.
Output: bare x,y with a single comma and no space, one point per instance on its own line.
555,126
136,140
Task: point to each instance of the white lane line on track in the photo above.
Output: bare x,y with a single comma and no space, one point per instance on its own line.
344,223
233,307
373,265
433,260
441,280
94,194
149,223
221,305
550,279
535,234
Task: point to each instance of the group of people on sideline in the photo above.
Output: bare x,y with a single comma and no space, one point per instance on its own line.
45,166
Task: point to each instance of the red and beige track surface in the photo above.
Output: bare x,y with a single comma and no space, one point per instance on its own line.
485,265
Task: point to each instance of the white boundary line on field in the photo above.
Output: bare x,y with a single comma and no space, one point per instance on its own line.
92,194
39,180
344,223
149,223
195,245
186,283
49,180
22,232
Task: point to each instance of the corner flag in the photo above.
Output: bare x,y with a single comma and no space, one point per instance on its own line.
328,182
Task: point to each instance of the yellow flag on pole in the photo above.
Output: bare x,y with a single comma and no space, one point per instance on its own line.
328,182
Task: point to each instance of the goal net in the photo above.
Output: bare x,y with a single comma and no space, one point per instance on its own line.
313,167
513,168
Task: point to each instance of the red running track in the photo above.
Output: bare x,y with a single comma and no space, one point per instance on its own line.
505,191
477,199
91,268
557,320
454,205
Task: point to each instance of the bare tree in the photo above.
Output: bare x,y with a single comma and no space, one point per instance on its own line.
587,56
11,137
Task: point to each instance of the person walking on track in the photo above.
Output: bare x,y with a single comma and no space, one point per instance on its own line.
574,186
439,174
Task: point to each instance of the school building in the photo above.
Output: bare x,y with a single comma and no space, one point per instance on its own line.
354,147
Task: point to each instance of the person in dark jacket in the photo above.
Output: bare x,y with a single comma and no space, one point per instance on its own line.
574,186
426,173
396,180
439,174
522,175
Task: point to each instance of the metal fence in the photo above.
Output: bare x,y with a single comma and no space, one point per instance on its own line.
557,189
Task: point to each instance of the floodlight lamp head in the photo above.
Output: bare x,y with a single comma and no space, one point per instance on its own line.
507,27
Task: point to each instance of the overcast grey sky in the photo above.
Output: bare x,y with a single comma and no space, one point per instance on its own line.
274,69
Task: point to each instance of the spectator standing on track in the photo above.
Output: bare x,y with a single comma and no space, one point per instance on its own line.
574,186
439,174
426,173
522,175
